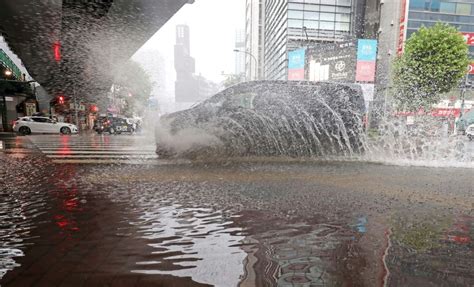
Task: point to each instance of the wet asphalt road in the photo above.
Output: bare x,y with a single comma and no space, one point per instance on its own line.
104,211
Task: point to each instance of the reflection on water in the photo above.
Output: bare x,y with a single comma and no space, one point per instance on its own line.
195,242
303,255
270,224
19,207
435,252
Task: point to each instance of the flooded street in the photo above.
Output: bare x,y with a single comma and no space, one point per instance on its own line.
262,222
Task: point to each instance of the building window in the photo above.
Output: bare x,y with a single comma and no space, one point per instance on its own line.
463,9
293,23
435,5
343,27
311,24
311,15
446,7
327,17
326,25
295,14
417,4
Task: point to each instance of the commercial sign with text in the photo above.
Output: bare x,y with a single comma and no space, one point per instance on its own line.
296,64
332,62
469,38
366,60
402,27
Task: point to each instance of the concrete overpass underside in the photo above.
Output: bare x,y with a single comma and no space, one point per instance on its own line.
73,46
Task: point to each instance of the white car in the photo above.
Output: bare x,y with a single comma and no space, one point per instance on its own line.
470,132
28,125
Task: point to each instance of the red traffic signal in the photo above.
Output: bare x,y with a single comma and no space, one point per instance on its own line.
61,100
57,51
94,108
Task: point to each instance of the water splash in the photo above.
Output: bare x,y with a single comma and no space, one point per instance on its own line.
269,119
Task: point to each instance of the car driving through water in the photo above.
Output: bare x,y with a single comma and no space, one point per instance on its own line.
268,118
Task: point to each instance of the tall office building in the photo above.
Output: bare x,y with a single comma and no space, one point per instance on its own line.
290,24
240,57
185,86
254,38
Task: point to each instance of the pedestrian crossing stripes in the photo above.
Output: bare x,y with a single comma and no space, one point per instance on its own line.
96,149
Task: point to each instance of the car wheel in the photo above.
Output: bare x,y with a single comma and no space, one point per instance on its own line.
65,130
470,137
25,131
111,131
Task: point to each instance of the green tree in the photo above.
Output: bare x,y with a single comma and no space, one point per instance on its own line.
134,85
434,62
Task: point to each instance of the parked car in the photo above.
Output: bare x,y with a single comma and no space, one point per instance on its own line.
470,132
35,124
114,125
268,118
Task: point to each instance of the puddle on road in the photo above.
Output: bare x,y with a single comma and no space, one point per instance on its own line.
221,250
254,225
195,242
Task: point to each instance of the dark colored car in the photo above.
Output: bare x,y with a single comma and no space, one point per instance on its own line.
113,125
268,118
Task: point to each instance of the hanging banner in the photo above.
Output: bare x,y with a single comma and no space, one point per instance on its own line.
366,60
332,62
365,71
402,27
296,59
366,50
296,64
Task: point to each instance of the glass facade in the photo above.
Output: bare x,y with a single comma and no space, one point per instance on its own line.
292,24
459,13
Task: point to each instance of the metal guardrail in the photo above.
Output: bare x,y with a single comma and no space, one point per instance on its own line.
8,63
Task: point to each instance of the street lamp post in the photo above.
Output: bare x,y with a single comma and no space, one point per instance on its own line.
256,62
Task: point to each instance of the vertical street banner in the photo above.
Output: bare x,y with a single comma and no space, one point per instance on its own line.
296,64
366,60
402,27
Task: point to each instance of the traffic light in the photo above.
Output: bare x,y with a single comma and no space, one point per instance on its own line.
57,51
61,100
94,109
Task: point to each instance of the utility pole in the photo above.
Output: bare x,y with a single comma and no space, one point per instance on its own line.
463,94
75,106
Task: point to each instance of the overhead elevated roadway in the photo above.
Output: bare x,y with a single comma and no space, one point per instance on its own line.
73,46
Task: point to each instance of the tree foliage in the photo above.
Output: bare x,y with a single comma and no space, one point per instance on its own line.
133,84
434,62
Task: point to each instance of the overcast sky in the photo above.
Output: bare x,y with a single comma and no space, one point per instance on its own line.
213,24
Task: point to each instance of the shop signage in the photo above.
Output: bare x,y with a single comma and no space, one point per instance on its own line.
469,38
332,62
366,50
366,60
296,64
365,71
402,28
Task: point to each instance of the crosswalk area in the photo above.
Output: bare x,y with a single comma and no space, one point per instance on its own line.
96,149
